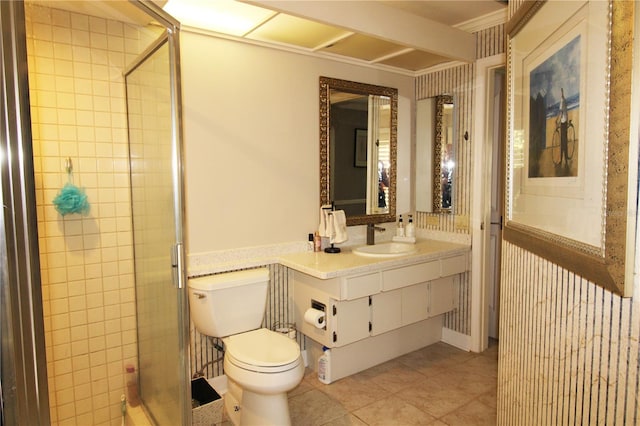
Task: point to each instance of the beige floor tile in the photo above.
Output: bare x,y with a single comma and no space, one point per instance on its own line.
470,381
348,420
473,414
435,359
393,411
354,393
490,398
314,408
483,365
436,386
436,396
392,376
308,382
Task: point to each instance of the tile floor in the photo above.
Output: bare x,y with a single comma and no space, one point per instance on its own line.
438,385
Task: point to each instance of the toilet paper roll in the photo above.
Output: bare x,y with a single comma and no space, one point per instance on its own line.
314,317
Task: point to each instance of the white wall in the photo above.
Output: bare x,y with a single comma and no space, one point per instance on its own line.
251,118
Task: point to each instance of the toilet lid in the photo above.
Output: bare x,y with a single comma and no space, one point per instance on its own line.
262,348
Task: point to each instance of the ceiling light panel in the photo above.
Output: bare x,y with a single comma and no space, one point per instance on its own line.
296,31
221,16
363,47
415,60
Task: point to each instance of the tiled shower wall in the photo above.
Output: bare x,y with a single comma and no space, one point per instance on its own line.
78,112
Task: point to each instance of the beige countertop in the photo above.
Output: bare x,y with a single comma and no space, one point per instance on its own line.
325,265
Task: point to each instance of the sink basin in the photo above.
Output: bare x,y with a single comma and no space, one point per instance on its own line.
385,250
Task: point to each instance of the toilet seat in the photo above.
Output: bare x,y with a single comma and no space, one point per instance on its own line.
262,351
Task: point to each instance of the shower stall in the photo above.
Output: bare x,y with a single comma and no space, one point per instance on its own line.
82,297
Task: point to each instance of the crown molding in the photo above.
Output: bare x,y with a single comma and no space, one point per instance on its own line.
483,22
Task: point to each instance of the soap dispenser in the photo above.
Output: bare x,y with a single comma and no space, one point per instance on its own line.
410,231
400,228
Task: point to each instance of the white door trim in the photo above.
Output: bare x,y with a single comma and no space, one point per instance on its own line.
480,206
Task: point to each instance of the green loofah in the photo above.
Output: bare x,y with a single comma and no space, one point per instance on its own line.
71,199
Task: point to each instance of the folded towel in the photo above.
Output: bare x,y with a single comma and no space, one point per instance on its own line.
324,229
338,225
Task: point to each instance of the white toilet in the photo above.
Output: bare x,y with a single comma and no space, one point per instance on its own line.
261,365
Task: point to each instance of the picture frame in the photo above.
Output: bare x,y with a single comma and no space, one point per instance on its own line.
571,176
360,148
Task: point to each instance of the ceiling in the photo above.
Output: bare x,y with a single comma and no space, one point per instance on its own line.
408,37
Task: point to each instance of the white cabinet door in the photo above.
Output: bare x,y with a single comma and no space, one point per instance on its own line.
441,296
415,303
350,322
386,312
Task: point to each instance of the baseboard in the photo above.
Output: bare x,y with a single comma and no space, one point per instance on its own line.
454,338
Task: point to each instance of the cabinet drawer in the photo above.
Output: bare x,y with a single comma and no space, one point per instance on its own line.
356,287
454,265
409,275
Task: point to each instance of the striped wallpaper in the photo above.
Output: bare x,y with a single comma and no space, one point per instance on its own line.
569,351
459,81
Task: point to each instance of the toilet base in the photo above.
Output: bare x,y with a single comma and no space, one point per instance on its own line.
264,410
246,408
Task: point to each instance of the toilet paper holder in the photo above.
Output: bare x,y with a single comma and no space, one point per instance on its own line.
319,306
320,322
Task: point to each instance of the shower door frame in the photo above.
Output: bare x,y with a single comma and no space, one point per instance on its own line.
171,37
24,396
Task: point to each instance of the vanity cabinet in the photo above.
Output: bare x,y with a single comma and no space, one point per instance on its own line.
361,306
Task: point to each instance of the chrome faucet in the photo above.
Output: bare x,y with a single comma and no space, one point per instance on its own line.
371,228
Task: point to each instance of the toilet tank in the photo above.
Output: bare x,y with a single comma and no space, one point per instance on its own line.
229,303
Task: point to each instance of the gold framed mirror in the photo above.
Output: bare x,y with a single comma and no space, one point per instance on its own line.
443,155
358,144
435,154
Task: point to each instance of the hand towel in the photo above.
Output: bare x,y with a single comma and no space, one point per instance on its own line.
323,228
338,223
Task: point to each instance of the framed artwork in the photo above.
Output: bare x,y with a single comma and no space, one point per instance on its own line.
361,148
571,191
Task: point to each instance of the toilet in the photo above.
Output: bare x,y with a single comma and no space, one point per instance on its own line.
261,365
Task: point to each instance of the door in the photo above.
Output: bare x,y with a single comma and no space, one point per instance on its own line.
496,120
157,212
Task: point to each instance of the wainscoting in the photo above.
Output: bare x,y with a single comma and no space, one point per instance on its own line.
569,351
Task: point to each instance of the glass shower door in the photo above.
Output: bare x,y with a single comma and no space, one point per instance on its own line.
157,231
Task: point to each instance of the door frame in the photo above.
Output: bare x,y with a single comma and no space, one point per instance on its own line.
481,205
24,394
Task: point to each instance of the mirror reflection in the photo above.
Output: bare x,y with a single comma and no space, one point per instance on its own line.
358,149
435,154
444,155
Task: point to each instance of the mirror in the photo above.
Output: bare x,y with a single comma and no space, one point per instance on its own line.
435,154
358,142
